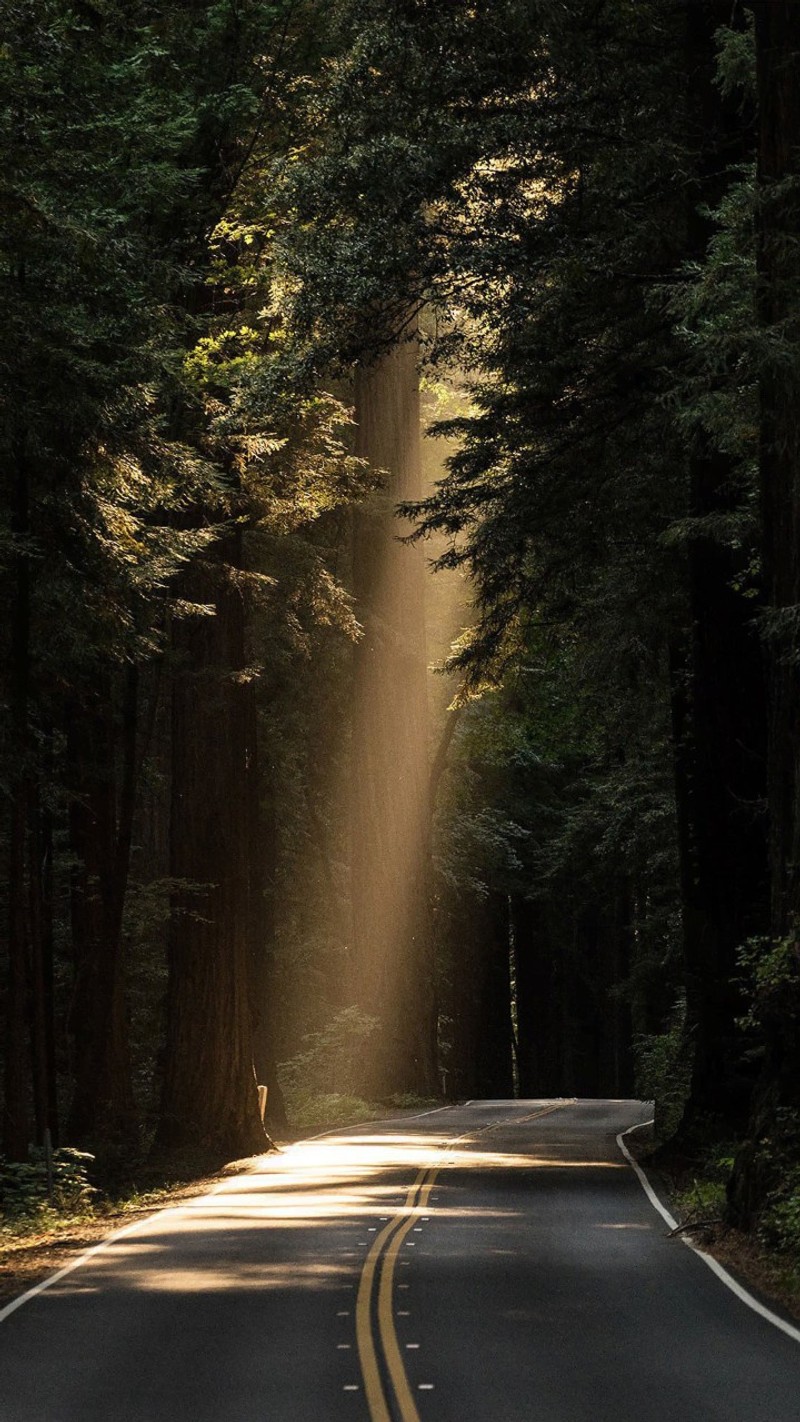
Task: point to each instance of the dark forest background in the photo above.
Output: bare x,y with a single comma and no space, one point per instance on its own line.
529,269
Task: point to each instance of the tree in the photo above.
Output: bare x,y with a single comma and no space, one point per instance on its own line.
773,1130
209,1100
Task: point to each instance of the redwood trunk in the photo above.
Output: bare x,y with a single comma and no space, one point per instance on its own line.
16,1104
719,691
773,1125
209,1101
103,1110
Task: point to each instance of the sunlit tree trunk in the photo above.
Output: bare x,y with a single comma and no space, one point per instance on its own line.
262,833
392,974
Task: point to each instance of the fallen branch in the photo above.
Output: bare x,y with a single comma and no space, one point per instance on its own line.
693,1224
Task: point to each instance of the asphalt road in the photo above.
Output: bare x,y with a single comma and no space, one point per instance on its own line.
496,1262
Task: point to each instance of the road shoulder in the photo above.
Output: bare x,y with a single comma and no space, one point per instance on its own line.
756,1269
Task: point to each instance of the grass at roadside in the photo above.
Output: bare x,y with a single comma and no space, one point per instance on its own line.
312,1112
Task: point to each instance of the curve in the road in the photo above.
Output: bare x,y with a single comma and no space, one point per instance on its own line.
375,1328
482,1263
713,1264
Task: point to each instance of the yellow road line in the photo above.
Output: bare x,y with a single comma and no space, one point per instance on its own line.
373,1386
391,1347
390,1239
545,1111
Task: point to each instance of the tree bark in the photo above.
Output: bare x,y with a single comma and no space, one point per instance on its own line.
41,985
261,863
16,1103
103,1110
494,1047
719,690
775,1119
209,1101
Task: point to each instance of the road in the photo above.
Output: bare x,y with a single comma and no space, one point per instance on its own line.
495,1262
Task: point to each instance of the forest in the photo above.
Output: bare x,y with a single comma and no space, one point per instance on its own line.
400,542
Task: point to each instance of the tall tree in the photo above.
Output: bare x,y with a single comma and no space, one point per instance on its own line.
101,779
774,1128
209,1099
718,685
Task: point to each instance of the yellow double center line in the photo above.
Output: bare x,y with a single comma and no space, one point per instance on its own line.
389,1240
380,1264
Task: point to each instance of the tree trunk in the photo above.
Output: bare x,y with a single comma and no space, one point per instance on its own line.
775,1120
209,1100
538,970
494,1047
719,692
261,863
103,1110
41,986
16,1104
392,973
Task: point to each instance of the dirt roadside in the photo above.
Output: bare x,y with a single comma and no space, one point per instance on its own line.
766,1275
27,1259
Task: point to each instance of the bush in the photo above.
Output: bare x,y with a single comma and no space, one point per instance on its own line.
663,1070
333,1059
779,1160
23,1185
779,1226
321,1111
706,1199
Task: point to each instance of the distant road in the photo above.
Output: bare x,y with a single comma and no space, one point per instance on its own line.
495,1262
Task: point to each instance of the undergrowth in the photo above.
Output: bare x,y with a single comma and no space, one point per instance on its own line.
30,1203
309,1110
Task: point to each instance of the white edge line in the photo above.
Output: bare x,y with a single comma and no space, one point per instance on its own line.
184,1208
373,1121
82,1258
713,1264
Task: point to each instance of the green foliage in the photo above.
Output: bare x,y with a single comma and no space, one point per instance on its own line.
736,63
327,1110
714,310
663,1064
24,1186
706,1198
410,1101
779,1222
332,1059
771,974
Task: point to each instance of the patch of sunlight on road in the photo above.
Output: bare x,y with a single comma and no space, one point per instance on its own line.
148,1276
303,1218
623,1226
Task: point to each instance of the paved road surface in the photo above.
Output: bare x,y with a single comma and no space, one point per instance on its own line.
496,1262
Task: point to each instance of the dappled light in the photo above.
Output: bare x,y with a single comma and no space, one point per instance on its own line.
257,1230
399,708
